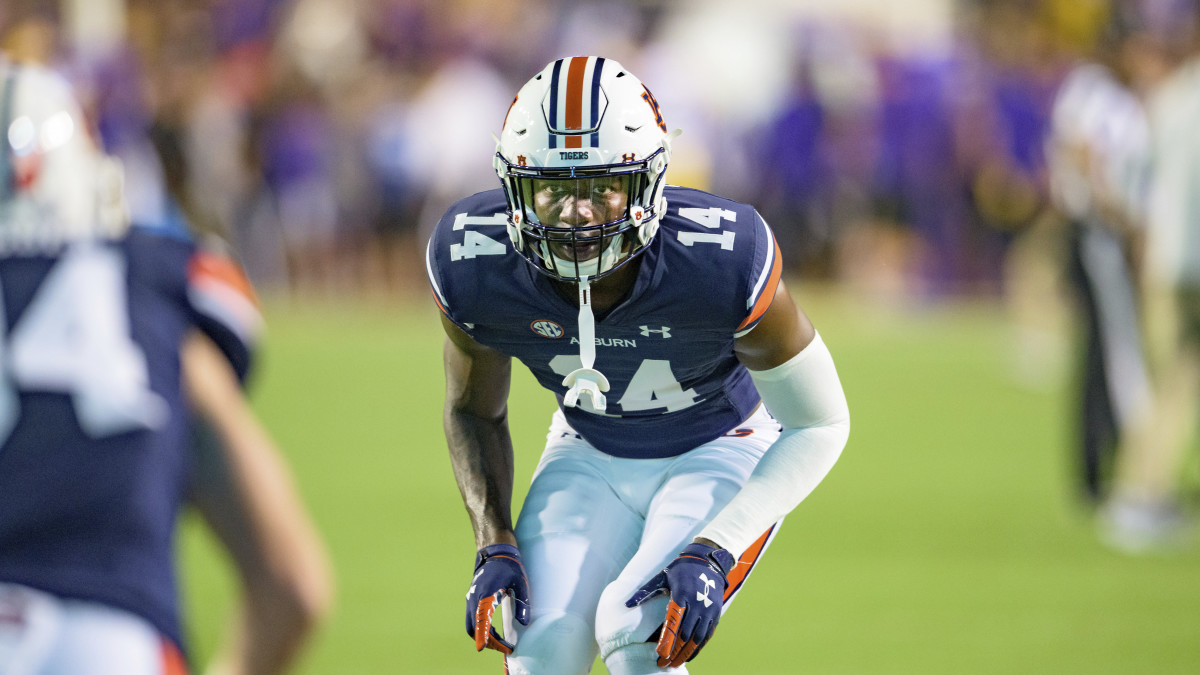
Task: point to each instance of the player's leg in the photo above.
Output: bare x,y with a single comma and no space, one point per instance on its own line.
641,657
575,534
1095,432
1144,512
698,484
1123,356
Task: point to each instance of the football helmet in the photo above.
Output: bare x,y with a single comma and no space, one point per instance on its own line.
581,157
55,184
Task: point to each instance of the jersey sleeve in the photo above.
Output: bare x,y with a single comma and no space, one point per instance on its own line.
766,270
225,306
433,270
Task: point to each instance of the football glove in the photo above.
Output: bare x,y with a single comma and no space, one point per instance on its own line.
696,581
498,573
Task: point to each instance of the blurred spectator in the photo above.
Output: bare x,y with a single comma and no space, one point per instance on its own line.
451,122
30,33
1098,175
898,153
917,183
395,183
294,146
798,191
1017,59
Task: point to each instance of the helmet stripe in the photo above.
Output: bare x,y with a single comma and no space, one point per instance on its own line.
574,102
596,71
553,116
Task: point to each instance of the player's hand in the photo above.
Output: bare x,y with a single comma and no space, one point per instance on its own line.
498,573
696,581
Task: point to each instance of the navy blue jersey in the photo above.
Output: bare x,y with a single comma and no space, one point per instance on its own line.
667,350
93,423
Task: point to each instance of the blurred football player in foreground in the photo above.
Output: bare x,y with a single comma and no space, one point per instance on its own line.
697,403
113,340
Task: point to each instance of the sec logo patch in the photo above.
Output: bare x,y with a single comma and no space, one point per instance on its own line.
546,328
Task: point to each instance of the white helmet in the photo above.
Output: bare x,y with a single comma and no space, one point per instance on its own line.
586,130
55,184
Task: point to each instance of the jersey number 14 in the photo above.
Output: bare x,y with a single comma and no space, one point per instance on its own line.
74,339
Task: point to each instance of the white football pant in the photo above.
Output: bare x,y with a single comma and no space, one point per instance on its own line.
41,634
594,528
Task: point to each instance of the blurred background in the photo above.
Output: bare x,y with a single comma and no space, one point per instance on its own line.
893,145
898,149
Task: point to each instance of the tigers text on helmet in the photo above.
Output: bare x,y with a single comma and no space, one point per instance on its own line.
56,186
581,157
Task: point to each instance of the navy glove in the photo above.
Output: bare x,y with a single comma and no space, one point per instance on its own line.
498,573
696,581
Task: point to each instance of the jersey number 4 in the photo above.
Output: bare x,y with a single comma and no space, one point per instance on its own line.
653,386
74,339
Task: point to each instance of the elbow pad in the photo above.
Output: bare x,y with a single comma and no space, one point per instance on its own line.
805,395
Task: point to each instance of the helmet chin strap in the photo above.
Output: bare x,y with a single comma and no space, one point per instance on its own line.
586,381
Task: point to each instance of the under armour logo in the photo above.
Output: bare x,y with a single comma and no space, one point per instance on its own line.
665,331
471,590
709,584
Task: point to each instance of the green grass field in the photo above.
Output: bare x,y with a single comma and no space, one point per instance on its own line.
946,540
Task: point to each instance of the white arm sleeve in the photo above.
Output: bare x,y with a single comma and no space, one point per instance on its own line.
806,396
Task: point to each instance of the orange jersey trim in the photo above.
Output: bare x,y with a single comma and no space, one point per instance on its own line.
768,292
439,304
223,270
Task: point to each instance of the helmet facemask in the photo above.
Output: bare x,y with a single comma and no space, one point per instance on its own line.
578,222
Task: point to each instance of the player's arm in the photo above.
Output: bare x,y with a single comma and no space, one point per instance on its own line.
476,425
244,491
481,453
795,375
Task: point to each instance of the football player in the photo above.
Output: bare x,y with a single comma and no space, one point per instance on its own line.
112,339
697,403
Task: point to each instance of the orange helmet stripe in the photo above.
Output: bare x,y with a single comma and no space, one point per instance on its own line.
574,110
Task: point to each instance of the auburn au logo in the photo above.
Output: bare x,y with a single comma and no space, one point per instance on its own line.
547,329
653,103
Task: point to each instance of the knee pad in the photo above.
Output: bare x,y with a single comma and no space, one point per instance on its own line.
618,626
637,659
553,644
